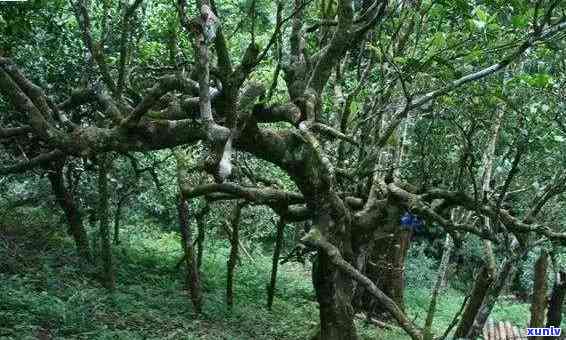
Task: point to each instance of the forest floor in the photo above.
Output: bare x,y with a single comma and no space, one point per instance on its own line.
45,294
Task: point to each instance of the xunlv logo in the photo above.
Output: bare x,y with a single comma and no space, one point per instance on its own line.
546,331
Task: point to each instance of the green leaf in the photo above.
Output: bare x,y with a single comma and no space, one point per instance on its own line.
480,25
439,40
540,80
474,55
482,15
520,21
482,18
413,64
375,50
355,106
400,60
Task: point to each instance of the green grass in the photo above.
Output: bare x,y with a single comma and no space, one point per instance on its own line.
44,290
450,302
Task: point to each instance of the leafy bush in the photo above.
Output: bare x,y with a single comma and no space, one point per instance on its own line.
420,270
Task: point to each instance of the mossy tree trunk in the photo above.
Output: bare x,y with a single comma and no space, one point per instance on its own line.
442,269
481,284
492,294
201,232
334,292
538,301
108,278
192,279
117,220
556,300
233,257
275,263
66,201
385,265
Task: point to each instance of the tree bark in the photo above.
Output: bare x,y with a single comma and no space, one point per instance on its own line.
554,315
333,287
539,303
334,292
386,264
275,262
66,201
117,218
192,272
481,284
108,278
397,276
491,297
442,269
333,255
201,233
488,159
487,273
233,258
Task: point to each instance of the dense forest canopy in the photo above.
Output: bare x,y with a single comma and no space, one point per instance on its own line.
358,123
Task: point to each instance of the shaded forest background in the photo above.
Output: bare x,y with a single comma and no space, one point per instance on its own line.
303,169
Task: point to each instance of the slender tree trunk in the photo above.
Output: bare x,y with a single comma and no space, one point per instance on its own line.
397,276
276,255
539,303
233,258
201,232
488,249
192,273
106,245
117,218
481,285
200,242
66,201
554,315
488,159
442,269
491,297
192,279
487,273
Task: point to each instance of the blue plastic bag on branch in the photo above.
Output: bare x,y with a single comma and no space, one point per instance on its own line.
412,222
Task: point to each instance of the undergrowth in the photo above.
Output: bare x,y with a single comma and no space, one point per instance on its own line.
46,293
